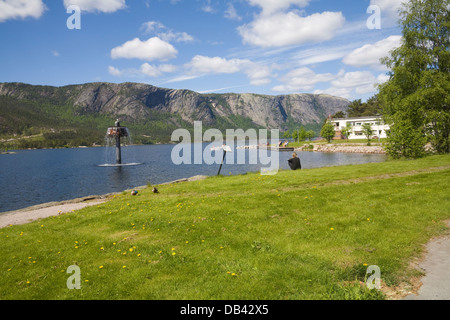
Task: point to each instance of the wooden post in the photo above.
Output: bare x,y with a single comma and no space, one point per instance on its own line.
220,168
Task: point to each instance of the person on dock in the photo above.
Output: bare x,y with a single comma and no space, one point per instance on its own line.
294,162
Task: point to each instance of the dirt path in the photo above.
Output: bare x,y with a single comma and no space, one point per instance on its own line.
46,210
436,266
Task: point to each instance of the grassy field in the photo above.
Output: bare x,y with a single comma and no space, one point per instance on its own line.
308,234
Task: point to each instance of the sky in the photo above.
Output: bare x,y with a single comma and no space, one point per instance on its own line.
271,47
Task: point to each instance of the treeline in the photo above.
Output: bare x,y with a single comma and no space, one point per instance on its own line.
357,108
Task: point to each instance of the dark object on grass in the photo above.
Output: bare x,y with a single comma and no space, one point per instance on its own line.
134,192
154,190
294,162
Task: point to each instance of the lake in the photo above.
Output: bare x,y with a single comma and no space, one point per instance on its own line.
30,177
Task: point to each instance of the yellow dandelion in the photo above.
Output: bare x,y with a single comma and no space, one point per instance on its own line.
174,253
124,267
331,228
101,267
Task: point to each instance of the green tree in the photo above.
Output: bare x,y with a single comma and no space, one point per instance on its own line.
286,134
339,115
416,99
302,134
310,134
347,130
327,131
367,131
295,135
357,108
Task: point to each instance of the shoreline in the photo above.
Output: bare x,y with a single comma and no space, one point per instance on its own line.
344,148
55,208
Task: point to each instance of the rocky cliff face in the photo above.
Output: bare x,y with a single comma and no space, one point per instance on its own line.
134,102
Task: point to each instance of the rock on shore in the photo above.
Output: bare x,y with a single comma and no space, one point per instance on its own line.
354,148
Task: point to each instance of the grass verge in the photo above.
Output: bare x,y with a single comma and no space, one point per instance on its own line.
307,234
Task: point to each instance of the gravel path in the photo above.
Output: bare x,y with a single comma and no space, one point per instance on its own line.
45,210
436,266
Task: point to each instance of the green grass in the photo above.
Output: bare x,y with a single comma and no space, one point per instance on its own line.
307,234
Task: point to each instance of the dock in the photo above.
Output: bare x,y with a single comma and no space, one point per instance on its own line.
278,148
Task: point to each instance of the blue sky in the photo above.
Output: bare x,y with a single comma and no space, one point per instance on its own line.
258,46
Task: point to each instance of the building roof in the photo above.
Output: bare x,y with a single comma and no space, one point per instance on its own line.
359,118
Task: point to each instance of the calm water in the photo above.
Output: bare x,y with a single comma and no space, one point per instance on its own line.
31,177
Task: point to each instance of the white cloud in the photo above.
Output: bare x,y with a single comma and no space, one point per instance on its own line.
389,9
55,53
21,9
319,54
302,79
202,64
382,78
258,74
343,84
357,79
351,84
151,49
145,69
231,13
106,6
286,29
182,78
370,54
272,6
161,31
207,7
114,71
155,71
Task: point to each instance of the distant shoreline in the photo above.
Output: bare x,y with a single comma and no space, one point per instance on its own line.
344,148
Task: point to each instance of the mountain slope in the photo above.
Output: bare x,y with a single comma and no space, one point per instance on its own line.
154,112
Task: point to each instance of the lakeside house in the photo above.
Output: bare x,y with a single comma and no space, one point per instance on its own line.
379,128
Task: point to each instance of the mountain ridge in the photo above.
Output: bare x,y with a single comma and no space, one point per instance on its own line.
142,104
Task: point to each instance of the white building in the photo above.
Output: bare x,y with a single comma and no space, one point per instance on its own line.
379,129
